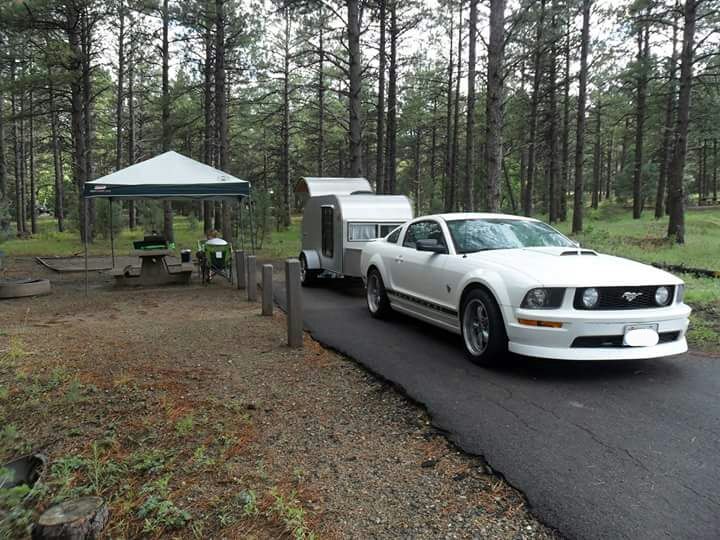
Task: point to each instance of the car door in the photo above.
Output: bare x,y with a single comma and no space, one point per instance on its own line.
418,273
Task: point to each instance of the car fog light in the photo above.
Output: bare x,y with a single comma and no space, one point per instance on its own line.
590,297
662,295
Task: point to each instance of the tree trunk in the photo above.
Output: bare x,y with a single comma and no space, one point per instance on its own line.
355,99
87,98
494,109
120,86
534,101
77,518
552,143
33,186
446,188
565,168
57,157
608,179
640,113
597,157
715,171
456,120
165,114
208,206
416,170
3,166
433,154
380,131
676,225
18,162
667,136
321,99
132,211
76,109
391,138
580,135
285,128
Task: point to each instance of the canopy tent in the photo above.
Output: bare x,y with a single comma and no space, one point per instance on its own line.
167,176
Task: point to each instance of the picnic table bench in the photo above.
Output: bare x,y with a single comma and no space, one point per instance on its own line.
153,270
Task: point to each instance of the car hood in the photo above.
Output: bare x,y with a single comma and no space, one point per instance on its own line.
574,267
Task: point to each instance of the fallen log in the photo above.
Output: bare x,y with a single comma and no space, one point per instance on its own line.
702,272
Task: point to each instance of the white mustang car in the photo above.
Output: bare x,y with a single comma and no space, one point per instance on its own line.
507,282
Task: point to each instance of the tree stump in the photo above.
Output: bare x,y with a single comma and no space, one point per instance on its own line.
79,519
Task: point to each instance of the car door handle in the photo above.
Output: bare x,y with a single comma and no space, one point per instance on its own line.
399,259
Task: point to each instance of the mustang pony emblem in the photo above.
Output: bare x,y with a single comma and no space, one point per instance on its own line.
631,296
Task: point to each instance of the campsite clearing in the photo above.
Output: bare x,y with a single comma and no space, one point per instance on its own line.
184,409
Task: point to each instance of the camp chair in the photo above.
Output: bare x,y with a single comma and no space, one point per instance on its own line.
214,260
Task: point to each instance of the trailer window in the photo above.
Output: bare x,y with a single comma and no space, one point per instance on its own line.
327,231
362,232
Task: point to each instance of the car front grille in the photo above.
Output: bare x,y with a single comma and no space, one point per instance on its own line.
623,297
615,342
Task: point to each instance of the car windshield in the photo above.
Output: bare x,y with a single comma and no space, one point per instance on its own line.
471,235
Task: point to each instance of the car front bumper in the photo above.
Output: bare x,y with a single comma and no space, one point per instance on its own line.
561,344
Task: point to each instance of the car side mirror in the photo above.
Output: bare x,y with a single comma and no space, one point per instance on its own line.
430,244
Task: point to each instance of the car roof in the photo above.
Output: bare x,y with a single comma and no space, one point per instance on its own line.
454,216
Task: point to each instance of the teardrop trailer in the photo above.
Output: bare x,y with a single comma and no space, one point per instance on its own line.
340,216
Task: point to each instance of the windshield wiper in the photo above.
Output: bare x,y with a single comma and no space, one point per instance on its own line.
465,252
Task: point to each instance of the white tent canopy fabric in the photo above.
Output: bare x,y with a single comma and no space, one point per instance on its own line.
168,176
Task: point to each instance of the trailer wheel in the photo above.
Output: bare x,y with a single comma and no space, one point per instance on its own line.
19,288
377,299
308,277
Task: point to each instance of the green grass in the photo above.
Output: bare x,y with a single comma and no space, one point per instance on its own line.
612,230
49,242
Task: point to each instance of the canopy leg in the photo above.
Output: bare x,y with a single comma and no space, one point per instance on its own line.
112,234
85,242
252,226
242,231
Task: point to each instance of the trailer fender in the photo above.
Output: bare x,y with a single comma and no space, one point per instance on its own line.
312,258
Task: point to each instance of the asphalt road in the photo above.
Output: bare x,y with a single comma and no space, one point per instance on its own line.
601,450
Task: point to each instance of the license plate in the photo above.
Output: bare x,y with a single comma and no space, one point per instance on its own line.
630,327
641,335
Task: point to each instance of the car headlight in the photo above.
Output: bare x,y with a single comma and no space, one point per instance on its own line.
543,298
662,296
590,297
680,295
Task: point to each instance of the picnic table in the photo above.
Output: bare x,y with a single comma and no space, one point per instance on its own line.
154,269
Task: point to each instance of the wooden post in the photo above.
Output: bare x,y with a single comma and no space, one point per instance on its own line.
267,289
251,279
240,268
294,303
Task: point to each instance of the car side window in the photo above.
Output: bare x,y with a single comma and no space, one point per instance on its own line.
394,236
423,230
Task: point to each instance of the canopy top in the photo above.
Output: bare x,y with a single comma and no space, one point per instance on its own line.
169,175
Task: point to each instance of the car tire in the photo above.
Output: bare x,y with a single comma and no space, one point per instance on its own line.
483,330
376,296
308,277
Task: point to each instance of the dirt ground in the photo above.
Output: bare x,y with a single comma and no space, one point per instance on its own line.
184,409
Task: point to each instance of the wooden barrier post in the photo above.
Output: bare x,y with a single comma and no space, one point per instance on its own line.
251,279
267,289
240,268
294,303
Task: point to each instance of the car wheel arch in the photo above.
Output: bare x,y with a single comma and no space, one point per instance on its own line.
475,285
